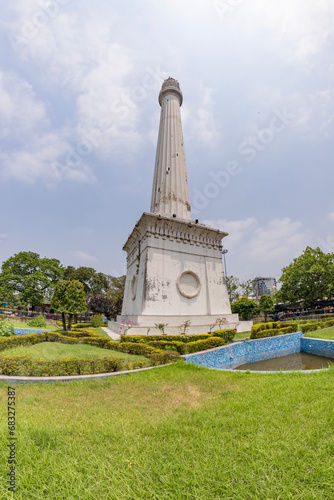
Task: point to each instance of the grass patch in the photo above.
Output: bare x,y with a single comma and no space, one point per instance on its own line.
242,335
175,432
53,350
326,333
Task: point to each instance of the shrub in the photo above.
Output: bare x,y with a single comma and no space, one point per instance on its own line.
265,326
293,326
23,365
79,333
78,326
39,322
6,329
202,345
309,327
168,346
264,333
96,320
163,357
227,335
17,340
165,338
328,323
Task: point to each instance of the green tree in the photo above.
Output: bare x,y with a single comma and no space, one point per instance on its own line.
95,283
69,298
247,287
266,305
233,287
116,292
29,278
309,277
246,308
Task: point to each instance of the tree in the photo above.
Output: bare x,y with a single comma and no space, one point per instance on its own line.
266,305
28,278
308,278
94,283
247,287
233,286
69,298
101,304
246,308
116,292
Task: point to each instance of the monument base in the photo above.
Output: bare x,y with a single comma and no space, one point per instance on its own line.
145,325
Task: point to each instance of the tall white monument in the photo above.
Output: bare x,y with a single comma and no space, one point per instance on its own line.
174,264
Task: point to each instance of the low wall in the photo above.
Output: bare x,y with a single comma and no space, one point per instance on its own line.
250,351
321,347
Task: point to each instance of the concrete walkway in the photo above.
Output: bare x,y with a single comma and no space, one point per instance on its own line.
112,335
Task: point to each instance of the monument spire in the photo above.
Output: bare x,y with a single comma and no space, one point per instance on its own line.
170,193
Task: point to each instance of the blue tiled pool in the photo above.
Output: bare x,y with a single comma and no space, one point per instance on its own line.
233,355
25,331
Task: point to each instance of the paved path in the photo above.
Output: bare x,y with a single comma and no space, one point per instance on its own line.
114,336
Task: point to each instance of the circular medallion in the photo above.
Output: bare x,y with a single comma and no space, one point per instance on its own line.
188,284
133,287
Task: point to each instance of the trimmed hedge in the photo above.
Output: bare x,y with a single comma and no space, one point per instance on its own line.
166,338
15,341
228,334
265,326
202,345
25,366
264,333
168,346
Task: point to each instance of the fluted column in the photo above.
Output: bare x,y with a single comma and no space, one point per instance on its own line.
170,192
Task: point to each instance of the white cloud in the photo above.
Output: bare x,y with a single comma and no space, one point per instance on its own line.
276,242
236,229
83,256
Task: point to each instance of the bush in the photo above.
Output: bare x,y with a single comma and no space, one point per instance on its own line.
96,320
164,338
328,323
163,357
265,326
23,365
310,327
6,329
293,326
168,346
78,333
202,345
17,340
264,333
78,326
39,322
227,335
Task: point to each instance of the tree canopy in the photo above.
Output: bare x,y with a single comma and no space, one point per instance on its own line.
69,298
94,283
266,305
29,278
309,277
246,308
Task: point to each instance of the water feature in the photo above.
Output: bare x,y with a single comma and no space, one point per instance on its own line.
275,350
297,361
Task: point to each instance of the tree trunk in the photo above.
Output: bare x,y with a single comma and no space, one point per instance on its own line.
64,321
69,324
76,318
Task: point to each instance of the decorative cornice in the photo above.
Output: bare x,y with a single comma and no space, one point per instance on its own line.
173,229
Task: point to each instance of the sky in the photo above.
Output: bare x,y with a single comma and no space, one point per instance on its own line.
79,115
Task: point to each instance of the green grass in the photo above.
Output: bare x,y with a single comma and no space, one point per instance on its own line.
177,432
242,335
54,350
326,333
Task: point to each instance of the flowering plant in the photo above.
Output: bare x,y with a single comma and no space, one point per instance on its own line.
221,321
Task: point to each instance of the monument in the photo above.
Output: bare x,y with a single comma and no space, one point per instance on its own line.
174,264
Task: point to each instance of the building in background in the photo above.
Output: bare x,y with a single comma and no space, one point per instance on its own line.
264,286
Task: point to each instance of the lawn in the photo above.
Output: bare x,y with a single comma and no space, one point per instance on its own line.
54,350
176,432
326,333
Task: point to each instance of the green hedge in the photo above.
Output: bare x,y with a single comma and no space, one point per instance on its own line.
265,326
168,346
202,345
228,334
165,338
31,338
25,366
264,333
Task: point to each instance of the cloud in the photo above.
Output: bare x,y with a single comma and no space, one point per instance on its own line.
83,256
276,242
236,229
331,216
